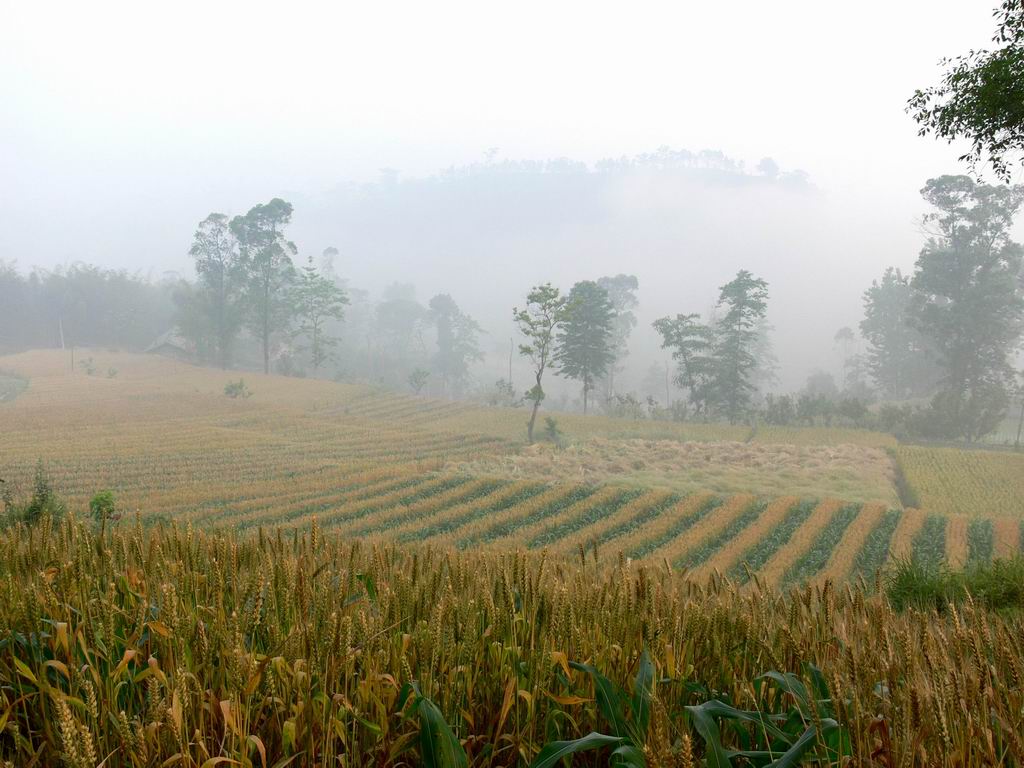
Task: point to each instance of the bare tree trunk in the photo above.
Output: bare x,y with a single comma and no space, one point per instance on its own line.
1020,423
533,420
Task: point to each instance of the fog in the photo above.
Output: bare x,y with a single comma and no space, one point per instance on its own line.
416,138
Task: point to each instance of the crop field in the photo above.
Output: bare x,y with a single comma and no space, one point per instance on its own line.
952,481
166,646
286,566
391,468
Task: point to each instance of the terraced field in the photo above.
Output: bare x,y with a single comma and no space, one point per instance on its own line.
381,466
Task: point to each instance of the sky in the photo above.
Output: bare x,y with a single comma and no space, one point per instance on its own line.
123,124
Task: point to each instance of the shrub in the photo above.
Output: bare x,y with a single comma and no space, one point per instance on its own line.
43,502
237,389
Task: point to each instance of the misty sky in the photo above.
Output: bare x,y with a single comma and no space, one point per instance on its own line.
124,124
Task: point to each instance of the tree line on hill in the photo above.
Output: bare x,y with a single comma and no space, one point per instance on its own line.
938,362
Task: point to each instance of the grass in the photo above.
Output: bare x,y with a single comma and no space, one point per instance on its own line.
924,585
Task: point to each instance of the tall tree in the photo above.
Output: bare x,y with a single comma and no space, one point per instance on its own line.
968,299
981,96
222,276
318,300
539,321
621,290
898,355
457,344
585,349
690,341
267,256
745,301
398,324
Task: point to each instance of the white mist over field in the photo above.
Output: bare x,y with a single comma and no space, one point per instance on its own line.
123,125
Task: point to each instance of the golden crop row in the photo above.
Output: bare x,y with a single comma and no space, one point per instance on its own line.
729,555
671,551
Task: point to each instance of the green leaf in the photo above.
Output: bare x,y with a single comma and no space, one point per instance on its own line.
438,746
608,699
706,726
793,755
629,756
553,753
643,693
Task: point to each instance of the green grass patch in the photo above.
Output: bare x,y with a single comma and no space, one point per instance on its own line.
998,585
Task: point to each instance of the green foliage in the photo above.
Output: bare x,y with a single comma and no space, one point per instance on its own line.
457,344
745,299
719,365
266,257
968,302
102,506
980,95
237,389
898,355
539,322
621,290
43,503
317,301
211,313
418,379
438,746
690,342
807,732
552,432
932,585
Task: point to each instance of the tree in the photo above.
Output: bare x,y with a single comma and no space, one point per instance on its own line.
398,322
621,291
539,321
845,341
745,299
585,349
968,300
690,341
457,343
418,379
898,357
981,96
317,301
221,274
267,257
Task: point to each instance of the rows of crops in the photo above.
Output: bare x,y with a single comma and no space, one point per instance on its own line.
968,482
786,540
